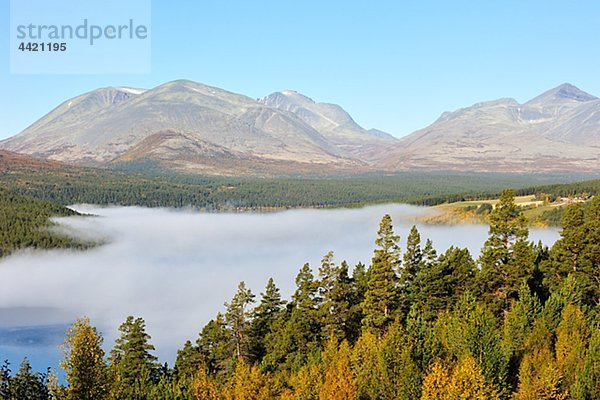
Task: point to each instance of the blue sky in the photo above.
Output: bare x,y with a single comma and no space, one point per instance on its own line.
393,65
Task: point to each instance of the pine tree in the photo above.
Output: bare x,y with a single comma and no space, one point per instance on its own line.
360,277
298,333
132,365
573,237
410,269
420,339
169,387
541,255
217,348
429,255
263,320
412,259
506,258
381,297
590,256
328,272
83,362
357,287
442,285
188,360
347,306
338,298
577,253
237,317
305,296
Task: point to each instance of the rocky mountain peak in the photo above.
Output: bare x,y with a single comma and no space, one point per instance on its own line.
562,93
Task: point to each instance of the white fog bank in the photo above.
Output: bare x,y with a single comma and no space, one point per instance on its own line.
176,268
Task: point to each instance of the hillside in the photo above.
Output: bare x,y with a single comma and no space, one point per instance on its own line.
185,126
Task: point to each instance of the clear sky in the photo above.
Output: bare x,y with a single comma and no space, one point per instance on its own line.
394,65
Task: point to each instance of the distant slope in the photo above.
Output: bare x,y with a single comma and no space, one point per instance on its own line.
556,131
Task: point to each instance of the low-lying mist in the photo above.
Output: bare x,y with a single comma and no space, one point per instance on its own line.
177,268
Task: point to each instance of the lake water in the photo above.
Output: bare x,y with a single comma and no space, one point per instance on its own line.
176,268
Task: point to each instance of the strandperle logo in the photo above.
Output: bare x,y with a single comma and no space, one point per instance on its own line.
80,36
84,31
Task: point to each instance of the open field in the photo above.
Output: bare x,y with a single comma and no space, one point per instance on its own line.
467,211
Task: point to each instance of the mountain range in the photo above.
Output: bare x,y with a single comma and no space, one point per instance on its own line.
191,127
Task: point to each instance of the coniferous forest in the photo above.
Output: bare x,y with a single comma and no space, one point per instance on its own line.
519,322
25,222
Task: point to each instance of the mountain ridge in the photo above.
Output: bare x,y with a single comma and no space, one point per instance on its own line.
197,128
557,130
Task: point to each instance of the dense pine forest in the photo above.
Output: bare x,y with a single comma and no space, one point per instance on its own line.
25,222
519,322
67,184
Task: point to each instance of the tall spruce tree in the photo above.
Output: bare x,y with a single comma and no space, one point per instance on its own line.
507,257
577,253
412,259
133,366
337,297
298,333
347,302
217,347
264,317
360,277
328,272
381,297
188,360
443,284
411,267
429,255
237,317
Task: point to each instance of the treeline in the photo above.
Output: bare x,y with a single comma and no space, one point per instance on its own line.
66,185
25,222
520,322
591,187
554,216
